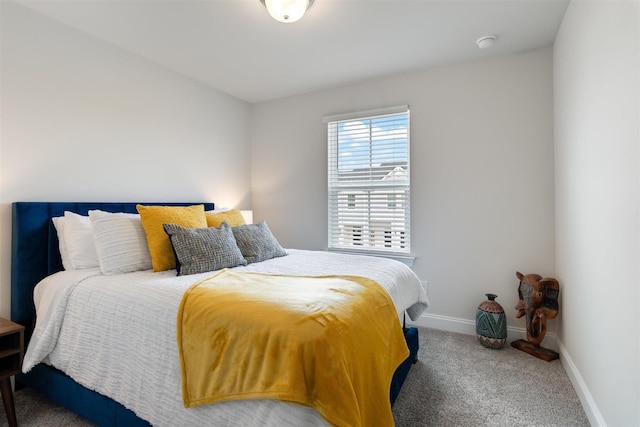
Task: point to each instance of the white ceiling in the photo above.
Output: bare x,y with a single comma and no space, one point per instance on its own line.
236,47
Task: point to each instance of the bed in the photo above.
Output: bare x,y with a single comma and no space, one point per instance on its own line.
136,394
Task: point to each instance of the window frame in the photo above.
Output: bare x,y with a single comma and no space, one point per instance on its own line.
396,196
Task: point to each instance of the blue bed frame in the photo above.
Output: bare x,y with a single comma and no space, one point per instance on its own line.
35,255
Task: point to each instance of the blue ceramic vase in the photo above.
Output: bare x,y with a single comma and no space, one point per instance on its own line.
491,323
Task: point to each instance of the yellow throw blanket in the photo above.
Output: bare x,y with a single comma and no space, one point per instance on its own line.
332,343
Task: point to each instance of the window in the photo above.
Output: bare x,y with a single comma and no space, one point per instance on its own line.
368,180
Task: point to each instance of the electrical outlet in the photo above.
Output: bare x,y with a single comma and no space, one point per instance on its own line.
425,286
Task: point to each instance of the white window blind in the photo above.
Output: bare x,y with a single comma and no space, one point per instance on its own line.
368,180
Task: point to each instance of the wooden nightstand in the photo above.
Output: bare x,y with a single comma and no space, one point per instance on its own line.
11,353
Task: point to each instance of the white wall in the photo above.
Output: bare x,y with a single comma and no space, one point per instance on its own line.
482,175
597,135
85,121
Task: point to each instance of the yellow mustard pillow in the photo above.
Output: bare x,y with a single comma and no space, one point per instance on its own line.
232,216
152,218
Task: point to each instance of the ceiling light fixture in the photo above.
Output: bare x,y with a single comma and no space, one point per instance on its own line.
287,10
486,42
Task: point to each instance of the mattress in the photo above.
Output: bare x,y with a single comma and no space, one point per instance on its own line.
117,334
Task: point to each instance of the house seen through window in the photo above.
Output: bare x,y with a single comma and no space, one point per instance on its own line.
368,181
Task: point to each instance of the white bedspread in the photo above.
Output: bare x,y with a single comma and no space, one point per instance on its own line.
117,335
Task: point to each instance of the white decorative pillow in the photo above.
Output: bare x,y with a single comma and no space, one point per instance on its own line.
58,223
121,242
78,237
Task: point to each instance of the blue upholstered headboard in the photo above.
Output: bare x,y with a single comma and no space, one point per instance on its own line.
34,247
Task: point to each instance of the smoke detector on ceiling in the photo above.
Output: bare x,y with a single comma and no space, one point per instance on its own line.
486,42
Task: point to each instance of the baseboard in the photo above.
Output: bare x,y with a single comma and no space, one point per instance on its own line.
468,327
551,340
588,404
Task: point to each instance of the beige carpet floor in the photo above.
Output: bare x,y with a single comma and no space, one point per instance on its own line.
456,382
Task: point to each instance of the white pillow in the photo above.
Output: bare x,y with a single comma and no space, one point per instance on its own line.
58,223
120,241
78,237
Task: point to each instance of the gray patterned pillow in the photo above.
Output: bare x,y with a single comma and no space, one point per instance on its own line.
256,242
199,250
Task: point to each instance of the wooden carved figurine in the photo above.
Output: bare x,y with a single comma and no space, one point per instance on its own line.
538,302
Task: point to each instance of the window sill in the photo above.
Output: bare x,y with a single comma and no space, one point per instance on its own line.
406,259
